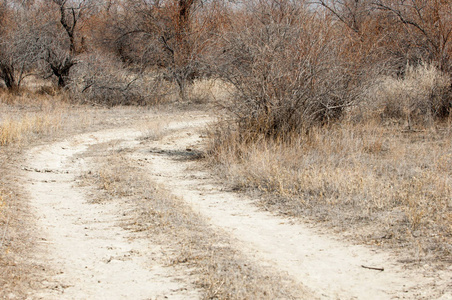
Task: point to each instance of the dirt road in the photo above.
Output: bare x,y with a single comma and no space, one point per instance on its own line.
91,257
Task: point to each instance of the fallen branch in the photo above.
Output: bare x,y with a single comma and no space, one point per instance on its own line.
44,170
373,268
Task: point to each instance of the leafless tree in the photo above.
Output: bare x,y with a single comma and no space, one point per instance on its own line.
102,79
17,42
427,23
6,65
352,13
164,35
58,37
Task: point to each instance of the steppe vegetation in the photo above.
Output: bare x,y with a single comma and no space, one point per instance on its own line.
335,110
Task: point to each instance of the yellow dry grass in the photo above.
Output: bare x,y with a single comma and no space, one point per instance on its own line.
17,130
418,97
27,115
383,185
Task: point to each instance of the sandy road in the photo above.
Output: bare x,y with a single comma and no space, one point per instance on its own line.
90,255
93,258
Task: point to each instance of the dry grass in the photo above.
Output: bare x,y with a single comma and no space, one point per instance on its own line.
18,272
421,96
27,116
204,91
383,185
221,271
154,129
17,131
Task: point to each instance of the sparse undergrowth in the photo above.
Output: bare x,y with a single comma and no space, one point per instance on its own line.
15,130
380,184
221,271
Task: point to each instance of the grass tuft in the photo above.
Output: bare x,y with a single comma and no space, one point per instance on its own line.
26,115
421,96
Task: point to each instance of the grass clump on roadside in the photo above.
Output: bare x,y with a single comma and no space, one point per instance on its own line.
27,115
16,130
221,271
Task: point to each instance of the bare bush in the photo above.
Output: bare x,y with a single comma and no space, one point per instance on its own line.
12,50
288,69
424,26
104,80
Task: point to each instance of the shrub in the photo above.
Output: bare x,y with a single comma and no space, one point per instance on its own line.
100,79
421,95
288,72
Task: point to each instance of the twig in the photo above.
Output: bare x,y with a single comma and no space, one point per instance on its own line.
373,268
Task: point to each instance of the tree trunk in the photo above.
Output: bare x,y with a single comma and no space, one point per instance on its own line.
61,71
183,49
182,83
7,74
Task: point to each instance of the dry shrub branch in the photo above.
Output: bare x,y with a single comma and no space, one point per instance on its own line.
289,71
104,80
